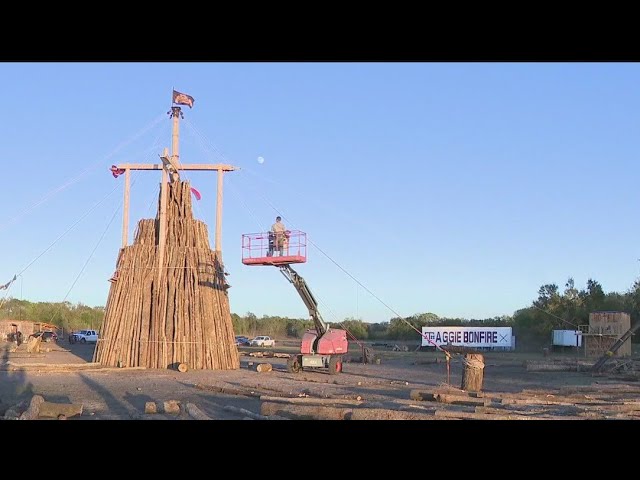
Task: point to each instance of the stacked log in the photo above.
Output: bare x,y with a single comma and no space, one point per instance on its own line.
179,313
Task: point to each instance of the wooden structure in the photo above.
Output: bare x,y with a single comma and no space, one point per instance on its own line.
10,327
168,303
604,329
473,374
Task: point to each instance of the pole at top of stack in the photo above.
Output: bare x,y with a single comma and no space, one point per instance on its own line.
171,167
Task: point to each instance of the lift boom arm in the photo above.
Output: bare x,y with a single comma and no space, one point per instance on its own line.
307,297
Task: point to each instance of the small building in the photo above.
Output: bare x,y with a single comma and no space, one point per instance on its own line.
9,327
604,329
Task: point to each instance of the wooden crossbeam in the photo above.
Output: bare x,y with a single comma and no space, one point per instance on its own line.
183,166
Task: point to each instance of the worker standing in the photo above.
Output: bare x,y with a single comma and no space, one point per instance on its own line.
278,230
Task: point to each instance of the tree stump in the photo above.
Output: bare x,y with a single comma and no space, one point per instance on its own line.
33,345
263,367
473,373
171,406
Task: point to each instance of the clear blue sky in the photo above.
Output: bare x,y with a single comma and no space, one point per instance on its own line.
456,189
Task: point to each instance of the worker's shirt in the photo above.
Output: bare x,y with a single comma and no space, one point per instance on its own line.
278,227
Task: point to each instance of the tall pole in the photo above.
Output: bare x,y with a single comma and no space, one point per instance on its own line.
219,212
176,113
164,193
125,216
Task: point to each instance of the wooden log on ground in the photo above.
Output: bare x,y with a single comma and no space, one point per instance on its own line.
54,410
245,412
171,406
228,390
33,410
534,401
481,416
600,389
263,367
304,412
182,367
310,400
195,413
508,411
410,408
422,396
473,373
41,366
558,366
459,399
387,414
150,408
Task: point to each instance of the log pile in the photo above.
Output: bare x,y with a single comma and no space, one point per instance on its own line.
157,318
596,401
37,408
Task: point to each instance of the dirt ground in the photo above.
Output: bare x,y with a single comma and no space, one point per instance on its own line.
122,393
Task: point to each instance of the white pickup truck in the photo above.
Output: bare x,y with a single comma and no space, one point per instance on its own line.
85,336
262,341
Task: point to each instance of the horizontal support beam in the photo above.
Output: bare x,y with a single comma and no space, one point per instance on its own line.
183,166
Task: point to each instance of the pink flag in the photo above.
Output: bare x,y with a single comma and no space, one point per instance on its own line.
196,193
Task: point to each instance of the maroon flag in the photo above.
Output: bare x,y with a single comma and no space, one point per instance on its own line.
116,172
182,99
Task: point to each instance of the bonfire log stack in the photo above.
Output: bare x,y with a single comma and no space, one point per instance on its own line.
180,315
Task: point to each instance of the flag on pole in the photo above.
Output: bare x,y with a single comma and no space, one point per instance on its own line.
182,99
8,284
115,171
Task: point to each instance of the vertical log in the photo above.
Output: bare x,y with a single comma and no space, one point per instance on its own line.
473,373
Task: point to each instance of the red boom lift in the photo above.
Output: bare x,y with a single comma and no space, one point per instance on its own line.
322,346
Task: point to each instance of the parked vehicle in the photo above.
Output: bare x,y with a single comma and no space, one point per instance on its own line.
46,336
242,341
263,341
84,336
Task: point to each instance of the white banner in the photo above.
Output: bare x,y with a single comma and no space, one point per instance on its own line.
478,337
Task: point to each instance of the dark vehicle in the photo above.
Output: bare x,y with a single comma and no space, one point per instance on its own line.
46,336
242,341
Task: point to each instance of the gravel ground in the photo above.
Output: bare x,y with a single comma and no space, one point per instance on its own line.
122,393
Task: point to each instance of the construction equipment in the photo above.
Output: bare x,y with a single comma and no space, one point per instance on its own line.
322,346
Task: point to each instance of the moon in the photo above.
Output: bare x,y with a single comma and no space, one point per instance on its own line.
260,160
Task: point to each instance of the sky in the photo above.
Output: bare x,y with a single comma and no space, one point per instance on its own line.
452,188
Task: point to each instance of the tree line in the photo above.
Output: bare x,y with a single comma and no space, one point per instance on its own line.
552,309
